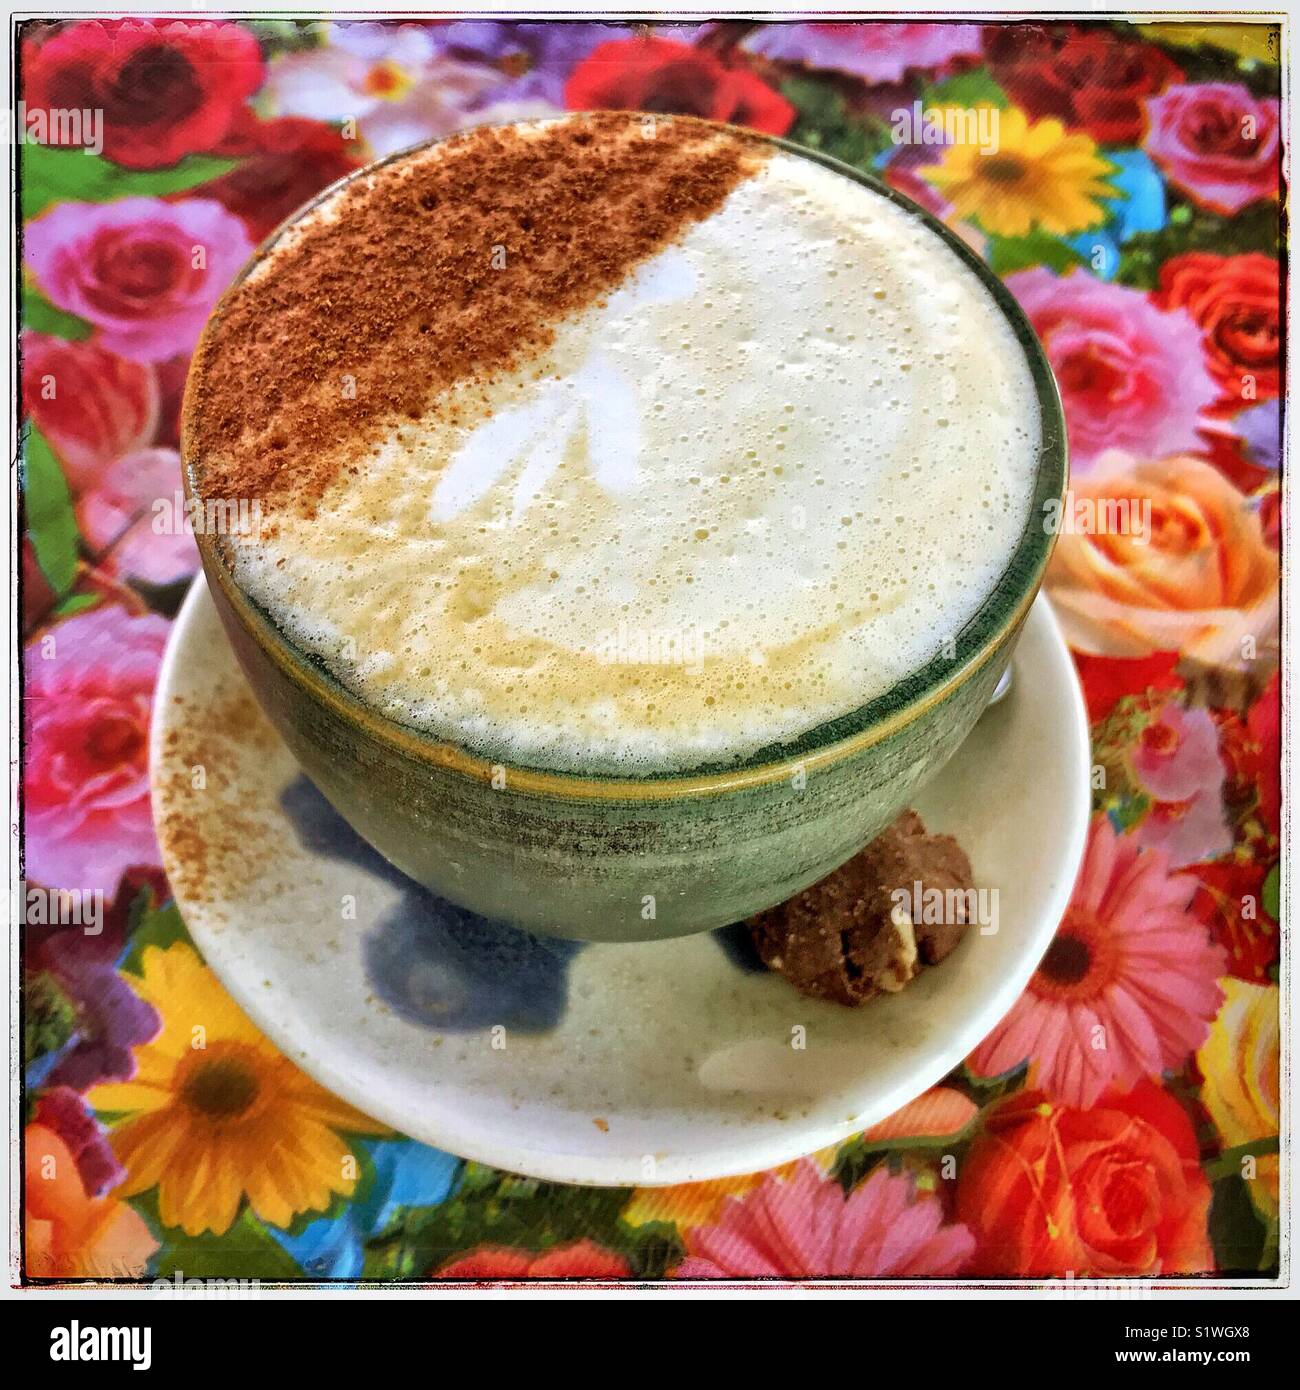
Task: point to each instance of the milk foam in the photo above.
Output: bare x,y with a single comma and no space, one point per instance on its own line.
760,483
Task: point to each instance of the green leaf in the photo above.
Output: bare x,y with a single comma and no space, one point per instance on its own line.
853,1161
495,1208
984,1090
1007,254
77,176
973,88
1237,1234
1127,810
653,1249
287,35
50,521
1271,893
1254,228
246,1251
49,1017
75,603
856,1157
42,317
824,123
816,102
1229,1161
160,927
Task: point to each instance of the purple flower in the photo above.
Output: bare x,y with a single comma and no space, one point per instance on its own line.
109,1019
876,53
536,58
1260,429
70,1118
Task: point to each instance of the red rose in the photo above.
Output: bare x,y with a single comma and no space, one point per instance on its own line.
167,87
1116,1190
1089,78
90,404
288,161
1236,300
581,1260
662,75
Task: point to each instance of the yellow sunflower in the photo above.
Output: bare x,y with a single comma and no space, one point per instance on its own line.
1037,175
215,1113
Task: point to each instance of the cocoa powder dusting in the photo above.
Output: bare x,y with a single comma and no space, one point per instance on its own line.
437,271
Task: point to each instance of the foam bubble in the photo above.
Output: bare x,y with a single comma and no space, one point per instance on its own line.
760,483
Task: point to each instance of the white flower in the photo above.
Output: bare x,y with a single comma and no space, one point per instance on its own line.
385,77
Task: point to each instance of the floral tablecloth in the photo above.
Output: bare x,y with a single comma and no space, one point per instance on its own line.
1123,1118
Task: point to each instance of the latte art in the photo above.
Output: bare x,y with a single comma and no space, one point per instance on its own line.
763,472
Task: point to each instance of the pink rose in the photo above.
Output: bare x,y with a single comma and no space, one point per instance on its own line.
90,682
144,272
1130,376
877,53
1218,142
122,513
91,405
144,554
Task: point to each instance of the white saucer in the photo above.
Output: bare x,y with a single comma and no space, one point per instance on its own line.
657,1063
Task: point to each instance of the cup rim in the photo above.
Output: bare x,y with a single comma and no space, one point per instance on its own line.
981,637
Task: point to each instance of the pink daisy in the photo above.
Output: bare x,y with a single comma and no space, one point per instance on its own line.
803,1227
1128,987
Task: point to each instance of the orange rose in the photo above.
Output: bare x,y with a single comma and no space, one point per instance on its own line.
71,1235
1200,579
1116,1190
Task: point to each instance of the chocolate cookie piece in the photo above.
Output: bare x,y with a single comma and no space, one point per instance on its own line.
848,938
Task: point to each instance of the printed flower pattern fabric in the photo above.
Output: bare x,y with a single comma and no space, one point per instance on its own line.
1123,1118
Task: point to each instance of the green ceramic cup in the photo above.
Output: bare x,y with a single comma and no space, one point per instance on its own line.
605,858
